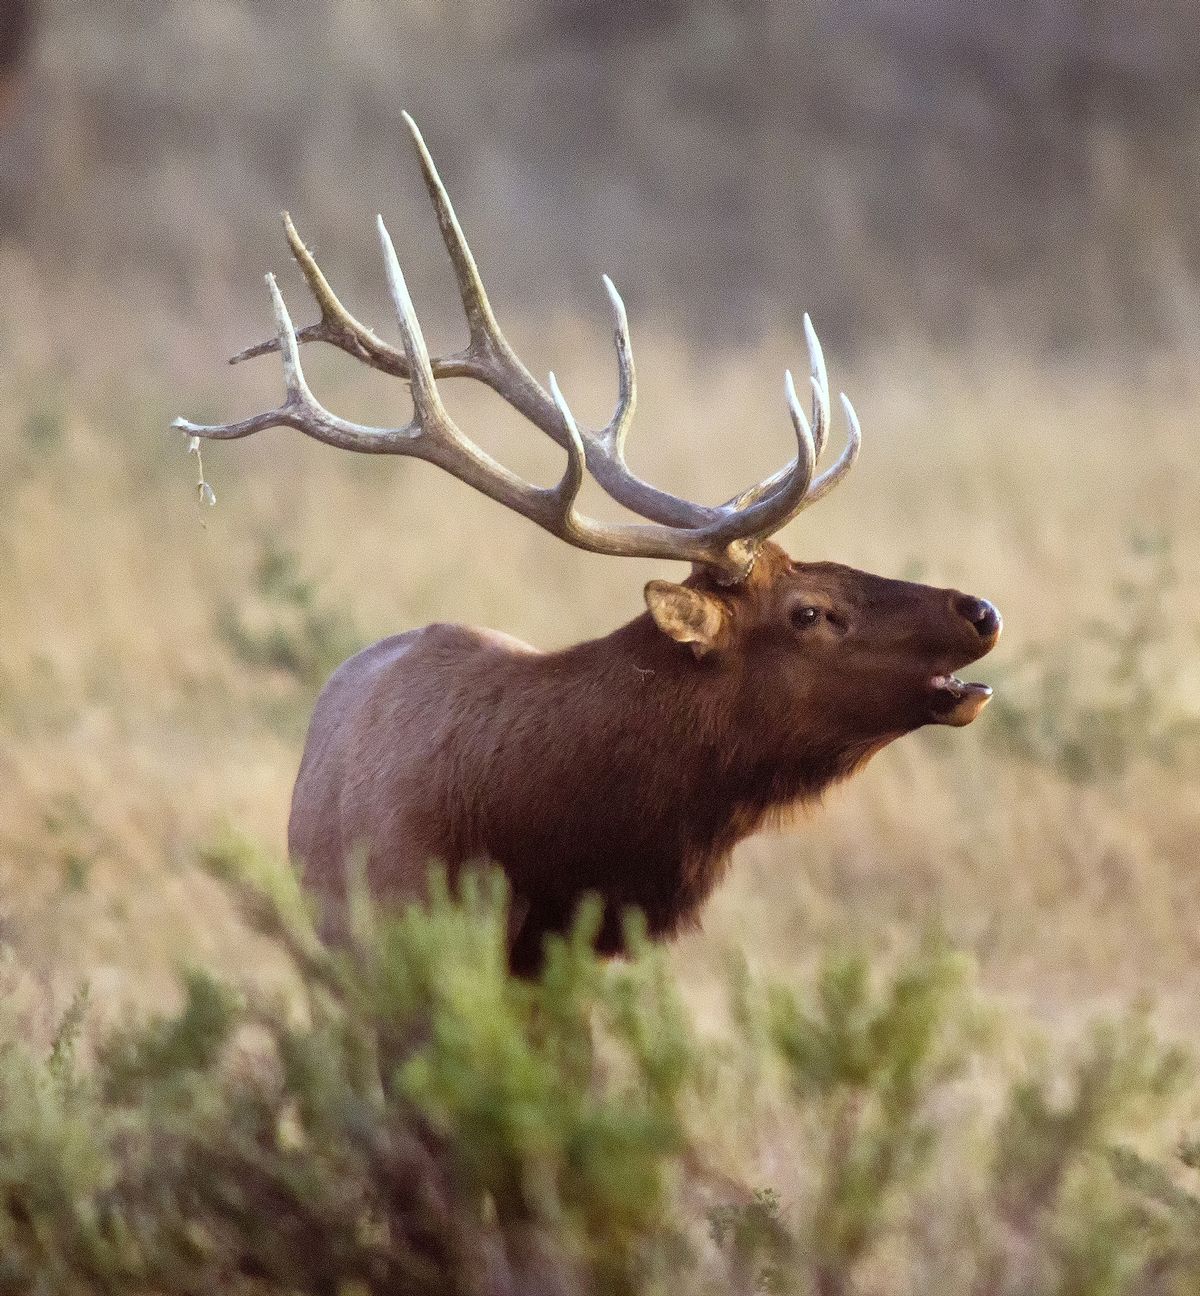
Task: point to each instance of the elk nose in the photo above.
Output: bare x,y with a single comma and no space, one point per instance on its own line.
980,613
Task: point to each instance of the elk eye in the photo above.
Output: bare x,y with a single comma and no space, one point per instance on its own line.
803,617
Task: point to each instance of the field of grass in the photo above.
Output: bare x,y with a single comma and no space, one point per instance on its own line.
159,659
883,1073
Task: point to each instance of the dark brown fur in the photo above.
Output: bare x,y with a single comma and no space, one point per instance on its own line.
629,765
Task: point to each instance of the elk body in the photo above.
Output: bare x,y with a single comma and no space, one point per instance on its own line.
630,765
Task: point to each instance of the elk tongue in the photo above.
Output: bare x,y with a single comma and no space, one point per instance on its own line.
956,702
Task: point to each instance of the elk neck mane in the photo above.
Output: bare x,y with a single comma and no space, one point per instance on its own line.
629,730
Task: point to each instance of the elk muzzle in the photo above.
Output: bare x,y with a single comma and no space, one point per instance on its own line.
957,702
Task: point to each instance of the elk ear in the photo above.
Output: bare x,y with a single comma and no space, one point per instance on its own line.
686,615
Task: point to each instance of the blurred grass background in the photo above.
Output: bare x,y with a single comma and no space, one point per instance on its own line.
989,212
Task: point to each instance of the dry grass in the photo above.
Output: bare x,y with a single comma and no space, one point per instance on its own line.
132,727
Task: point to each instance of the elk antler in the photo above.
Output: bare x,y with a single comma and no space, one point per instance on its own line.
724,538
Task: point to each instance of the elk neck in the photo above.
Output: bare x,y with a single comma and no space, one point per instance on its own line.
652,766
721,706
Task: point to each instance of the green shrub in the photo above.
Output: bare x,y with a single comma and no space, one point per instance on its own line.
415,1120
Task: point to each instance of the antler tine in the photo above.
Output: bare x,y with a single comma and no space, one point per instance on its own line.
486,339
820,385
796,410
488,346
772,505
613,436
300,409
424,390
567,490
819,382
490,352
845,461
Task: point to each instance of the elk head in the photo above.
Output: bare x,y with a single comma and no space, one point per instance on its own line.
832,662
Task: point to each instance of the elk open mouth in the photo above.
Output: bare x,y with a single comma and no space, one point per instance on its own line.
955,702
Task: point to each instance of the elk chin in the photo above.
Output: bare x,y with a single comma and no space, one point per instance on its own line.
953,702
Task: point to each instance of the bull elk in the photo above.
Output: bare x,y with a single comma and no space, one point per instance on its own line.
628,765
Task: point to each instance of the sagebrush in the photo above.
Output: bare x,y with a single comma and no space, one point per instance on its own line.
414,1119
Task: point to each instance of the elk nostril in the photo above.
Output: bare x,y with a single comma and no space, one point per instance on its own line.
980,613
